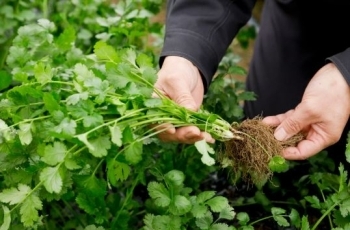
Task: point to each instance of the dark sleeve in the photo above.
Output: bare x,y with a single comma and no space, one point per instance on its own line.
342,62
202,30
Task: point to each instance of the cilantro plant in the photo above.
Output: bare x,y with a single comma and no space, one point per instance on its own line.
67,107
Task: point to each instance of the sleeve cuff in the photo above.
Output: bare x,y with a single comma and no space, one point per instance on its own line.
342,62
192,50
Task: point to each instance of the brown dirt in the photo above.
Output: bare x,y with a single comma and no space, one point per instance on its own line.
249,157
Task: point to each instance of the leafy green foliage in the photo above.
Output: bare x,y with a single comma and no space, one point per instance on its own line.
175,203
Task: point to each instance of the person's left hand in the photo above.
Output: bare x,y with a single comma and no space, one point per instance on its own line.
322,114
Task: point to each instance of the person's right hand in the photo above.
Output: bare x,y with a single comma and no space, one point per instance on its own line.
181,81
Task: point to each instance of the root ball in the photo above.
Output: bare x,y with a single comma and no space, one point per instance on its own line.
249,157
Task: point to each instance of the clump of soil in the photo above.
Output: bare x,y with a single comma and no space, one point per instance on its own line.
248,157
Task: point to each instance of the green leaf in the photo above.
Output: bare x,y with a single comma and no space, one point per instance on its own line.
295,218
29,210
205,222
105,52
6,80
7,218
175,177
15,195
100,146
199,210
344,207
133,152
66,39
93,227
218,203
220,226
54,154
159,194
91,185
52,179
180,205
75,98
43,73
227,213
204,196
92,120
204,149
278,164
276,213
163,222
117,171
243,218
116,135
305,223
66,127
25,134
347,151
314,201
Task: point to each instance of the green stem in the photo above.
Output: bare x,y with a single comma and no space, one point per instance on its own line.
28,120
45,9
265,218
324,199
324,215
97,166
128,196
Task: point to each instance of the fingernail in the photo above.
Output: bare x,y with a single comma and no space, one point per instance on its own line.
281,134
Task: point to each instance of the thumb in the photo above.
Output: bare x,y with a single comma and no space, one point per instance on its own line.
292,124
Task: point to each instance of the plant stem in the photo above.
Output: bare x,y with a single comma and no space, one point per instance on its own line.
324,215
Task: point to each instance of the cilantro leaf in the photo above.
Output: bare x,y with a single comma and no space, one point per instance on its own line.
29,210
133,152
15,195
66,39
54,154
199,210
52,179
159,194
100,145
218,203
25,134
175,177
204,149
105,52
116,135
180,205
43,73
227,213
278,164
277,216
204,196
205,222
243,218
7,218
117,171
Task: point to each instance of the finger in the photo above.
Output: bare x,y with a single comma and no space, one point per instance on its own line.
294,122
277,119
304,150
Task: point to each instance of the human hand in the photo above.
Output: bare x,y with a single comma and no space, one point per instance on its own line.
180,80
321,115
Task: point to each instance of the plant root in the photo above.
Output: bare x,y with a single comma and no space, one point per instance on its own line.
248,157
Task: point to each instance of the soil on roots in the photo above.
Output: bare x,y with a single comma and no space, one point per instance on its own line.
249,156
